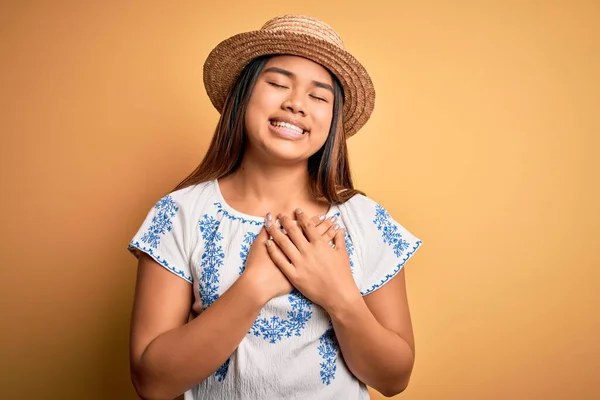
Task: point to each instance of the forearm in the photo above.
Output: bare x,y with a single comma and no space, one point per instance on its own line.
376,356
183,357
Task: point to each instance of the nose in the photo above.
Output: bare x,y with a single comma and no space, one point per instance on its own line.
294,104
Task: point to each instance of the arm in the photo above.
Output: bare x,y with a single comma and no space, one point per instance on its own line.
374,332
375,336
168,355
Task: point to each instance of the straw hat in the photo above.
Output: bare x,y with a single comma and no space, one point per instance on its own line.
293,35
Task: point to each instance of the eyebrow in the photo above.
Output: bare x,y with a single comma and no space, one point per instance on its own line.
290,74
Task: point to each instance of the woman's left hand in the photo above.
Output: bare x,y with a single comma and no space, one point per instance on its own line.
318,270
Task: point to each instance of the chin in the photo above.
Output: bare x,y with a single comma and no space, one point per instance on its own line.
287,152
288,157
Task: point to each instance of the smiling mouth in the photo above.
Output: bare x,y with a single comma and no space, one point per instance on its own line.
286,125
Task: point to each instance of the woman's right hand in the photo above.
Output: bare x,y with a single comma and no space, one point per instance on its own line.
261,271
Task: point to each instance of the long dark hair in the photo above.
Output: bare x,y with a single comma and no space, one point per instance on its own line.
328,168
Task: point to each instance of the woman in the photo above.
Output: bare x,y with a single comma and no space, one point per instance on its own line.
265,266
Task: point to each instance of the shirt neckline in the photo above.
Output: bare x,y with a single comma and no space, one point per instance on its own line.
232,210
236,213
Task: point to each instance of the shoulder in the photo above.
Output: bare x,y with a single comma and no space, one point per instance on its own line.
361,207
371,223
360,200
382,245
188,202
193,192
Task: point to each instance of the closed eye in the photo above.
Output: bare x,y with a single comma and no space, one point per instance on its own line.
277,85
318,98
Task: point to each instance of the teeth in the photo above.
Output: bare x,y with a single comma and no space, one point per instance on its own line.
287,126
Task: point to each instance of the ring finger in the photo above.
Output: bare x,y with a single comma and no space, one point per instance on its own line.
282,240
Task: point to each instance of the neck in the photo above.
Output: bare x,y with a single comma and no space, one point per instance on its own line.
261,182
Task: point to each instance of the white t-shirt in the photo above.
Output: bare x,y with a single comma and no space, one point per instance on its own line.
290,351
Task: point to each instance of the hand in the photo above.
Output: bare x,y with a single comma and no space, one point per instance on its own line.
320,272
261,269
325,227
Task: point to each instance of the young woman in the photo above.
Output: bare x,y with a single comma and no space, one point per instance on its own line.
265,274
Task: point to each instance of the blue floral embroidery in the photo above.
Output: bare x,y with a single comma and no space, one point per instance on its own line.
328,350
161,222
246,244
389,231
391,235
222,371
274,329
159,259
227,214
350,249
300,314
211,261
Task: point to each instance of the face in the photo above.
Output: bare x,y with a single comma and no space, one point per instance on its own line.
290,109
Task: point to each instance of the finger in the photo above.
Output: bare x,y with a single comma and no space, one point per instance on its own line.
293,231
280,260
333,228
281,239
324,226
339,240
307,225
319,219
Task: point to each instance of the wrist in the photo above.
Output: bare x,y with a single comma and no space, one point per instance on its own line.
253,289
342,308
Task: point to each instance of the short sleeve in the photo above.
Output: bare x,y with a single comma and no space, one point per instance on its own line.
164,236
382,243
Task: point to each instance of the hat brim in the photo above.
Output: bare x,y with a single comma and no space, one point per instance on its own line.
226,61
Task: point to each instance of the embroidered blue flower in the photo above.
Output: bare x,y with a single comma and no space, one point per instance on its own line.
389,231
246,244
211,260
300,314
272,329
161,222
275,329
328,350
222,371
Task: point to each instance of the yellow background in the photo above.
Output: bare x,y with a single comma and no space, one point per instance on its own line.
484,143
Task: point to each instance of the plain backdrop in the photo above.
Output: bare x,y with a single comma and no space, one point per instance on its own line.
484,143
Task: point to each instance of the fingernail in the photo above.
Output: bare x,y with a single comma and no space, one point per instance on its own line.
268,243
268,220
322,217
298,211
333,219
336,227
279,216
